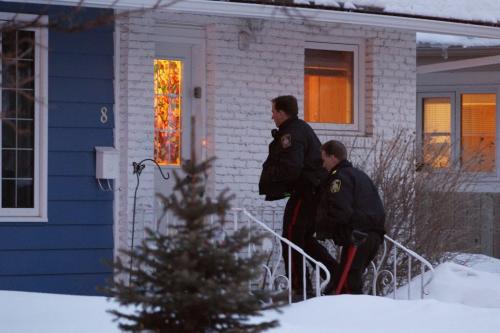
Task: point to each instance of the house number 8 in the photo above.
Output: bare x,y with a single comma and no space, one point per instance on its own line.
104,115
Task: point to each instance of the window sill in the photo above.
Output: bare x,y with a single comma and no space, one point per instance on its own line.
27,219
336,129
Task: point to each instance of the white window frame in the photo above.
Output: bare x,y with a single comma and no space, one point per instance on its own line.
357,47
455,94
39,212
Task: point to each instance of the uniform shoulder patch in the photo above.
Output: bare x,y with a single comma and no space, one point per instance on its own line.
286,141
335,186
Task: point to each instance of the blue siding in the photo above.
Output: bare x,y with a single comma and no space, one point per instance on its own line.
63,89
82,114
18,237
78,284
78,139
64,163
65,261
67,254
88,212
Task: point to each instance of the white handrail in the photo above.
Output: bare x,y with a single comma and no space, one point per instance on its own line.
423,264
386,275
377,270
318,265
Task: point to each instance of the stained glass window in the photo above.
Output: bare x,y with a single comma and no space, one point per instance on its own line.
168,111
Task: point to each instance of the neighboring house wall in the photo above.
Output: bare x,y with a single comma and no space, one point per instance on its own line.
240,85
65,254
484,209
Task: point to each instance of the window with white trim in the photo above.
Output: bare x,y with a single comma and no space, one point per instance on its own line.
459,128
332,85
23,130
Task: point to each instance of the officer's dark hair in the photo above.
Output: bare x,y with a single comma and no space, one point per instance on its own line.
287,104
334,147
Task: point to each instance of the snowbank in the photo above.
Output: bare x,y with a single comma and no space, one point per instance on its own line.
461,300
22,312
361,314
477,285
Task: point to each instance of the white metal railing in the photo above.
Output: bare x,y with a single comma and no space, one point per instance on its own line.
379,272
384,269
272,269
382,274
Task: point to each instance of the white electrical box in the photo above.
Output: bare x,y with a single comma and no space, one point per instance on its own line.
106,163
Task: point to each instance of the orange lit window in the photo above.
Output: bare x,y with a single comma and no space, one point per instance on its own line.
168,111
328,86
478,132
437,132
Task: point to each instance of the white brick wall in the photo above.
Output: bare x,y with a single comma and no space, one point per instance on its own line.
239,87
136,121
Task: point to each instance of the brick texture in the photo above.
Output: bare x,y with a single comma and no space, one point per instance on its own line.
240,85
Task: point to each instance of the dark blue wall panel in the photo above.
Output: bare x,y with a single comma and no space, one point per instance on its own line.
87,213
63,89
77,65
76,189
66,261
78,139
36,237
66,163
83,43
66,254
75,284
82,114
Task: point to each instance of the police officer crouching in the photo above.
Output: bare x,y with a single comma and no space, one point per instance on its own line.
351,213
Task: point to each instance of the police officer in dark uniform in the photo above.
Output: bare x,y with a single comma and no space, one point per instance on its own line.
293,169
351,213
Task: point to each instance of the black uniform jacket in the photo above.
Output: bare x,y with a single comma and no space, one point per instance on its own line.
349,200
294,161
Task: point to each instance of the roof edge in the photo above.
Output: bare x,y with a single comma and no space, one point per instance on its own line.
283,9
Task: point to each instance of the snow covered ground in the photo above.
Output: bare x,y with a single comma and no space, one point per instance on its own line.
461,299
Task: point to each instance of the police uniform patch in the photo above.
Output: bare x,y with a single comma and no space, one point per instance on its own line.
335,186
286,141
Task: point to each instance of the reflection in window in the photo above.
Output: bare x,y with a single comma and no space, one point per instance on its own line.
167,105
328,85
18,119
437,132
478,132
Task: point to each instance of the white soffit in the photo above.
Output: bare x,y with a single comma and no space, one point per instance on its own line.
249,10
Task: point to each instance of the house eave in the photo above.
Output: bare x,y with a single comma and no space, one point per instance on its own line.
263,11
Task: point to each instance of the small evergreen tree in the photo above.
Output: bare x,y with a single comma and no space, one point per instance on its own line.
190,279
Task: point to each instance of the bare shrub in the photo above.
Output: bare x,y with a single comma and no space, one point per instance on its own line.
424,191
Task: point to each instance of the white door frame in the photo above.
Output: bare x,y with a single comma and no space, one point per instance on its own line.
193,37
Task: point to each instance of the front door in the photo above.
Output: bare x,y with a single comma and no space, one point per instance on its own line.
172,111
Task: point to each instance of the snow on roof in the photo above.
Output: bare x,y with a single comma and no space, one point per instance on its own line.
486,11
426,39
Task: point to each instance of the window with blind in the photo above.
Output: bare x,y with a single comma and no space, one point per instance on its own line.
328,86
459,127
478,135
23,119
437,131
331,80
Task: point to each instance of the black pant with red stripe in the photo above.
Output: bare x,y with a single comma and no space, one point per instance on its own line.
364,253
298,226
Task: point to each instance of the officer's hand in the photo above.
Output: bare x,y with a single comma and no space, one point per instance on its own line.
320,235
